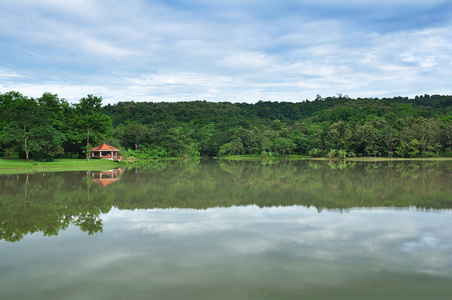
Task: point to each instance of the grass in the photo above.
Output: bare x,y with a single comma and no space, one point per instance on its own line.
14,166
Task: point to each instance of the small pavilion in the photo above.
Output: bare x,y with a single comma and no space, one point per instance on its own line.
105,151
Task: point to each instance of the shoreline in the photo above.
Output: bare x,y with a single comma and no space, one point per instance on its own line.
302,157
20,166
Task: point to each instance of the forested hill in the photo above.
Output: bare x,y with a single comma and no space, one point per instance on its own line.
396,126
243,114
48,127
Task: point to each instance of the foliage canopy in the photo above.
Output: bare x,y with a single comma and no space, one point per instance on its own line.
50,127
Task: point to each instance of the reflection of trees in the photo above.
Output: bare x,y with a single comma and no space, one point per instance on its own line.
51,202
340,164
308,183
48,203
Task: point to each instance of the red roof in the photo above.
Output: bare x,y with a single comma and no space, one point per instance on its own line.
105,147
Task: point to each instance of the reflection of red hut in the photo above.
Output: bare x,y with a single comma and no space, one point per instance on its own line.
107,177
105,151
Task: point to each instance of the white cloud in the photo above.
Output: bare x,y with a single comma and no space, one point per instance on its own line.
423,61
5,74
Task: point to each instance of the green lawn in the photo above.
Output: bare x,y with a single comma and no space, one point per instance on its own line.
8,166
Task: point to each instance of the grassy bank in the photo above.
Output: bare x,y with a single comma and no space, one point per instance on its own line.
16,166
10,166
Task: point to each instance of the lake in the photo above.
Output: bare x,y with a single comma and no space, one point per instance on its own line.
215,229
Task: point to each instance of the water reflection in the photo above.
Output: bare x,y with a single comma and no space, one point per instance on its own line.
106,177
51,202
240,253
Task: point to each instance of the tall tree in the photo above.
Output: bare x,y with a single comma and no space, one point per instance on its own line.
91,123
389,138
132,134
23,117
338,136
367,139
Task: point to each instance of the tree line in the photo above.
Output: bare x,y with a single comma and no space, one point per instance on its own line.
332,126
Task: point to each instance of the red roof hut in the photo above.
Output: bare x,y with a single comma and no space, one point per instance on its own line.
105,151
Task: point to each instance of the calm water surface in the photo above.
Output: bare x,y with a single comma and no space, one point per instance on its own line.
229,230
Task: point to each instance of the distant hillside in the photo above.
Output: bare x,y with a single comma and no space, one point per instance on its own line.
325,109
365,126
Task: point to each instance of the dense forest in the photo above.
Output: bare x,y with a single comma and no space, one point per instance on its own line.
338,126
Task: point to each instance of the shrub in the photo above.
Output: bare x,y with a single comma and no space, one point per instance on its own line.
315,152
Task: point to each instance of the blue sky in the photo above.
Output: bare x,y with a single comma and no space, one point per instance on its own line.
235,51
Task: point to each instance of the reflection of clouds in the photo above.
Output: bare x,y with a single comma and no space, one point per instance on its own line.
426,242
239,251
381,237
107,259
433,255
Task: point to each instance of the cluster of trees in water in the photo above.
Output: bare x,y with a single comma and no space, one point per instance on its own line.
332,126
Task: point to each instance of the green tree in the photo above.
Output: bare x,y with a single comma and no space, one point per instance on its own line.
410,149
22,116
134,134
251,139
367,139
235,147
33,127
284,146
46,143
338,136
428,132
276,125
389,138
91,125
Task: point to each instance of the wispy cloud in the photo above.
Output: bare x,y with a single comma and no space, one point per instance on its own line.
5,74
